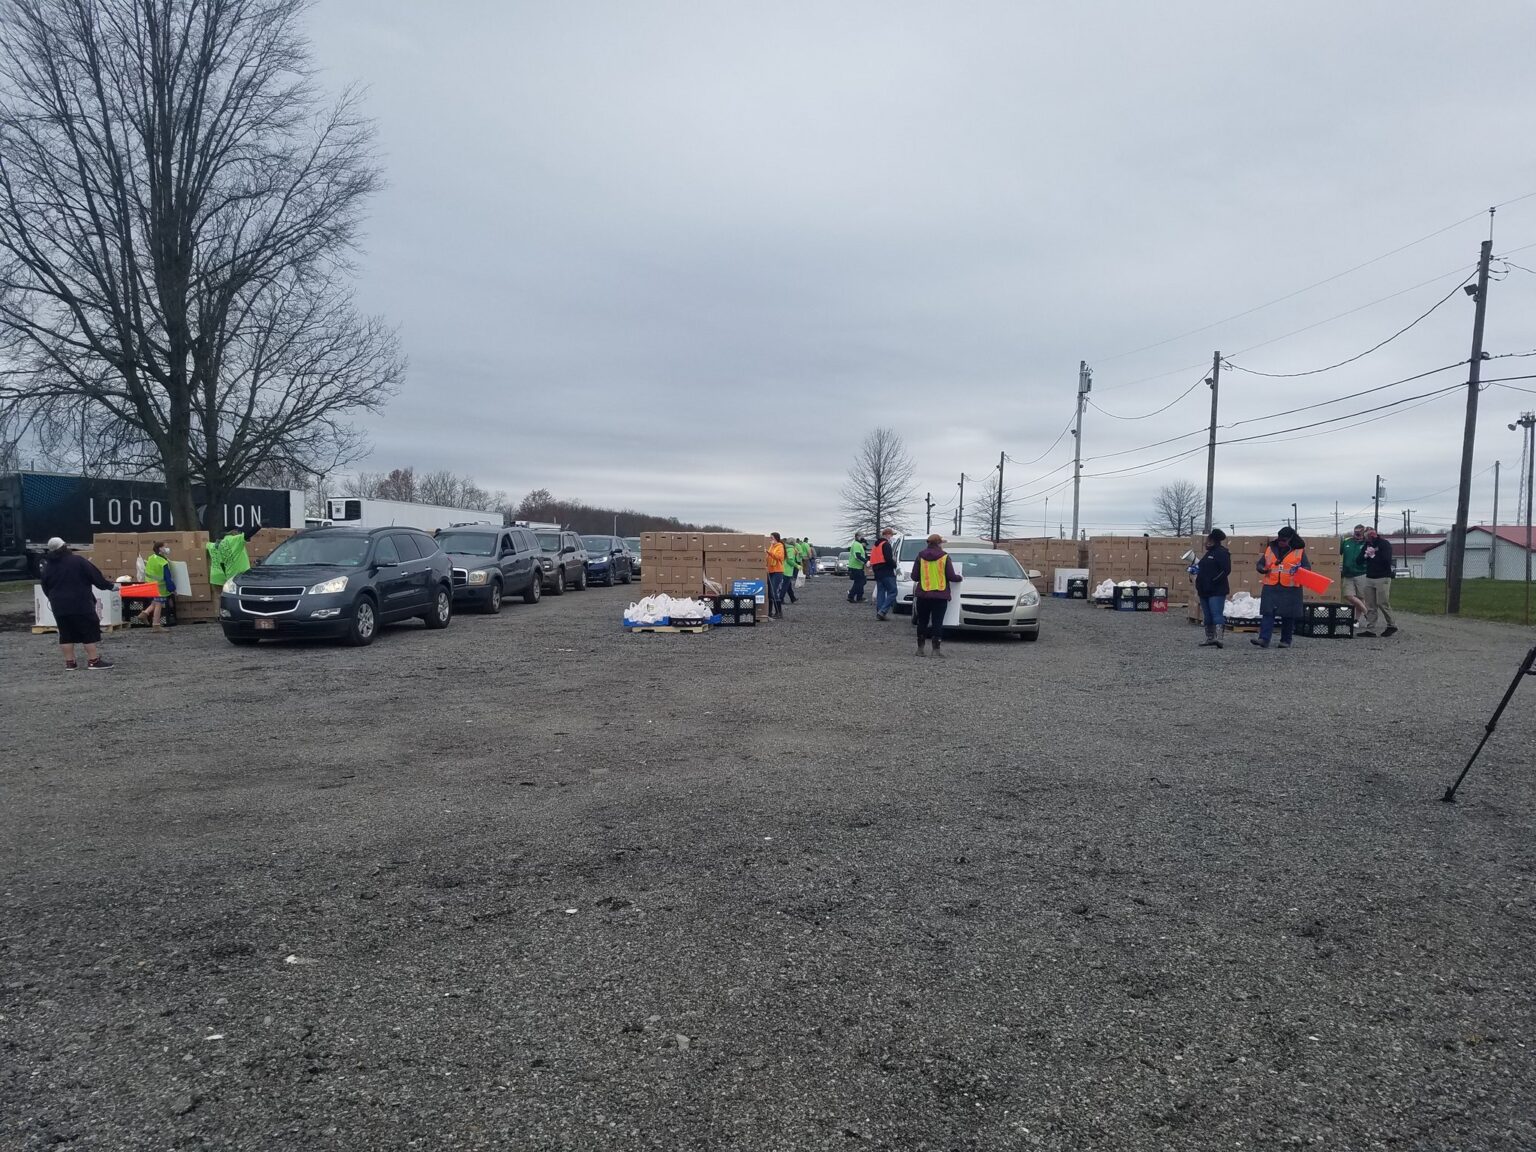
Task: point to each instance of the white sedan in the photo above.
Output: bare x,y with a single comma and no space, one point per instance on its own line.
994,594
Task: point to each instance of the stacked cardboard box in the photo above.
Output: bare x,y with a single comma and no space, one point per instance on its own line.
678,563
1116,558
1322,551
118,554
1168,568
1045,554
261,545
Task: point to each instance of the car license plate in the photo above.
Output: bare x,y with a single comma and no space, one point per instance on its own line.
266,625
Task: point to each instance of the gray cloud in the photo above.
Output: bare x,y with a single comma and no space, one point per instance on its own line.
607,220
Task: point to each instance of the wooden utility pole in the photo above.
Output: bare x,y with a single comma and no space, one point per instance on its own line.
1376,506
1084,386
1210,452
1456,557
960,509
928,504
997,505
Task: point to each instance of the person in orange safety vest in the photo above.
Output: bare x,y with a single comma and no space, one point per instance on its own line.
1281,596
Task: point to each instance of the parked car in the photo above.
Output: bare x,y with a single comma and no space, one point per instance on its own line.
609,560
634,551
841,564
489,563
564,561
339,582
1402,573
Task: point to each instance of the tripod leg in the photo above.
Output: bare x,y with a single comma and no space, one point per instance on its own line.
1527,668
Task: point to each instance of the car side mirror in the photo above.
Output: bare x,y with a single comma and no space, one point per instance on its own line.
1033,573
386,563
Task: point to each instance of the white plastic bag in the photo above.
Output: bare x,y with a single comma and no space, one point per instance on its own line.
799,579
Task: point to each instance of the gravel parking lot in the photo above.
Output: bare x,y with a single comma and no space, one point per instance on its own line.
531,883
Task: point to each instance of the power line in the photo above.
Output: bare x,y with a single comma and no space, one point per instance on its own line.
1048,451
1301,291
1155,411
1362,355
1341,399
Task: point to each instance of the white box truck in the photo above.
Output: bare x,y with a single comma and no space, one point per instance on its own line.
357,512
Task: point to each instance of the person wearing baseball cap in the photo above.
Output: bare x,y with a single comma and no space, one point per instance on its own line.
882,558
68,581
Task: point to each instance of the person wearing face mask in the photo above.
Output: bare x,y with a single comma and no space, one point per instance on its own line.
1213,585
1378,584
158,569
1281,597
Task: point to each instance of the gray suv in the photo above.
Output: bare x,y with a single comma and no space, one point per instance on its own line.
564,561
490,563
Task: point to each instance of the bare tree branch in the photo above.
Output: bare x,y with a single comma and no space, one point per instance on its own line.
880,487
1177,508
178,209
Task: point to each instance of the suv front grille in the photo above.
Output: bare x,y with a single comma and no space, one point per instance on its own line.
460,577
269,601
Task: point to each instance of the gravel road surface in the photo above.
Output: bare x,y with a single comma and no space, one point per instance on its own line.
531,883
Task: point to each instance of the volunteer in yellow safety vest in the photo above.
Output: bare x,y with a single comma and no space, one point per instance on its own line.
158,569
1281,596
933,575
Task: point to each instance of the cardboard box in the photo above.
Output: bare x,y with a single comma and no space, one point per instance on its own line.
109,606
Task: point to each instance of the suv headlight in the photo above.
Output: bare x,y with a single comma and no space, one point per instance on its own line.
546,563
327,587
231,587
479,576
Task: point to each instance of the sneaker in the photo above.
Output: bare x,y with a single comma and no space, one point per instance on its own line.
879,615
99,662
1257,643
71,666
1390,631
1368,635
1283,644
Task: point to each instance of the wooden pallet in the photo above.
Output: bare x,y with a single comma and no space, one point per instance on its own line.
667,628
1240,627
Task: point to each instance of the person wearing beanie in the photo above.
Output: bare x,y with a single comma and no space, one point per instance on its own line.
1213,586
1281,597
933,575
68,581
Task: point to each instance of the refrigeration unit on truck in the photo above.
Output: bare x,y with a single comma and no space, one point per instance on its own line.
35,506
361,512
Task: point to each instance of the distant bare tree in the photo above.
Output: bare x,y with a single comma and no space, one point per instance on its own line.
177,214
454,491
993,506
880,487
396,484
1177,508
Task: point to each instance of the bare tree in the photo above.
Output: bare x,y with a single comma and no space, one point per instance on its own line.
994,506
880,486
177,213
454,491
1177,508
396,484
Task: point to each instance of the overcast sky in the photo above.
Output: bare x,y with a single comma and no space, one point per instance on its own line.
683,257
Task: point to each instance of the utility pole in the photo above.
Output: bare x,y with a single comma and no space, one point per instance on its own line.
928,504
1407,531
1376,503
1527,422
1336,518
1493,544
997,505
960,509
1295,518
1084,386
1456,557
1210,452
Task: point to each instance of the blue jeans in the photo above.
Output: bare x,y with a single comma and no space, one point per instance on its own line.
1267,629
856,592
1212,610
885,593
776,589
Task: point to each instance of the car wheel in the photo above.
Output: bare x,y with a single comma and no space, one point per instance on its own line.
493,604
559,588
629,576
535,589
613,578
581,581
242,641
365,623
442,609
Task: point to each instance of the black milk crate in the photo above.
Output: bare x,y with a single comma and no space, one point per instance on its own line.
740,611
1077,588
1327,620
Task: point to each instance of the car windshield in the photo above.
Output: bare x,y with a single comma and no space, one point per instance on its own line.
987,565
549,541
910,547
321,549
633,542
467,543
596,543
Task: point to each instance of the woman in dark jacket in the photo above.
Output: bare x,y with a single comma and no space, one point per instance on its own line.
1212,585
933,575
1281,597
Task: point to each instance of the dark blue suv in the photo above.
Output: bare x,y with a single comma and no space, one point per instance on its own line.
609,560
342,583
